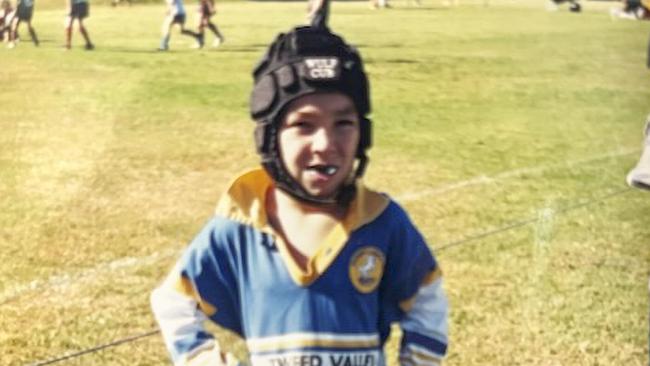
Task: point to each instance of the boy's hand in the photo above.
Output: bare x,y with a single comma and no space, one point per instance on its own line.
206,358
212,357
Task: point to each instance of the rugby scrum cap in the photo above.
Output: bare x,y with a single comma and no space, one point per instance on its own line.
307,60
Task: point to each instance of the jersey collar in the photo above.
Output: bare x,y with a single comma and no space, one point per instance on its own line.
245,202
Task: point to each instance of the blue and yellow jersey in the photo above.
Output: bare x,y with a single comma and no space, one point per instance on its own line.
373,269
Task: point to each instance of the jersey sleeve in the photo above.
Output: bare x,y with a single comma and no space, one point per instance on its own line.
414,296
201,287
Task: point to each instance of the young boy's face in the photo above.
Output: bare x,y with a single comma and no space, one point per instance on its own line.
318,139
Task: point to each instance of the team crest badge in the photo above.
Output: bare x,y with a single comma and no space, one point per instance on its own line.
366,269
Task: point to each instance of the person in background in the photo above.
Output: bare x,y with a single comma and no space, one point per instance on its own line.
176,15
6,15
79,10
554,5
24,13
639,176
206,11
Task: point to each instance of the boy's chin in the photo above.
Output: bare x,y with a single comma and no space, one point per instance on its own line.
323,195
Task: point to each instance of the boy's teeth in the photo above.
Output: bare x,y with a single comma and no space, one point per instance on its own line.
328,170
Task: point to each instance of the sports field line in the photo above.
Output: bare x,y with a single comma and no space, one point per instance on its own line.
485,179
128,262
63,280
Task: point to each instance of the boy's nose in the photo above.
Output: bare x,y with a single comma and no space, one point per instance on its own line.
322,140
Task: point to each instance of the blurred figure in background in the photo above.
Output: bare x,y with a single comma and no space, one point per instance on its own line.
379,4
77,9
632,9
24,12
118,2
554,5
175,15
6,14
317,9
639,177
206,11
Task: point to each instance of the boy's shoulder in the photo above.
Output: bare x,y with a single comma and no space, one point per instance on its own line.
244,198
377,209
394,215
243,202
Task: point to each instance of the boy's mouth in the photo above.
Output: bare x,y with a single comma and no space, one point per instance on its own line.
328,170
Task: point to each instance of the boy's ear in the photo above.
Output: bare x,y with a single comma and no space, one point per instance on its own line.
365,138
264,135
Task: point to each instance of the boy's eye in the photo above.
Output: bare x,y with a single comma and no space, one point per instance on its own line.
346,123
302,126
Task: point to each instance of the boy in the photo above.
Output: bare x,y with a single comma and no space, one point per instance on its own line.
639,177
77,9
206,11
303,261
24,12
175,15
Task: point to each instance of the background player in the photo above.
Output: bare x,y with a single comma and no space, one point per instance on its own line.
79,10
574,5
301,259
639,177
24,12
118,2
317,12
175,15
6,15
206,11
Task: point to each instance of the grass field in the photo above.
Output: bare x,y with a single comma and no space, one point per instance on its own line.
506,131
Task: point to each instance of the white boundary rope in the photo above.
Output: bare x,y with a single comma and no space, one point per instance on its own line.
67,278
527,221
94,349
485,179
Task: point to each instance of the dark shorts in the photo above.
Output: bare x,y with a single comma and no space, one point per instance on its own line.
25,13
79,10
179,19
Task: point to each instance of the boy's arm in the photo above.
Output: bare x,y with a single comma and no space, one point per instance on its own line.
202,286
181,320
413,290
424,325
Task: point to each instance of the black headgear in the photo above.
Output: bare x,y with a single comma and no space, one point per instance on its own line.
304,61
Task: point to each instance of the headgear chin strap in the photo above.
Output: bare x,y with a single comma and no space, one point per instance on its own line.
304,61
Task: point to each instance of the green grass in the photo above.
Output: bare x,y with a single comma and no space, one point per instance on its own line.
111,160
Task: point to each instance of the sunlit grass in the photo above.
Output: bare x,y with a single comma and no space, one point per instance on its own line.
111,160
